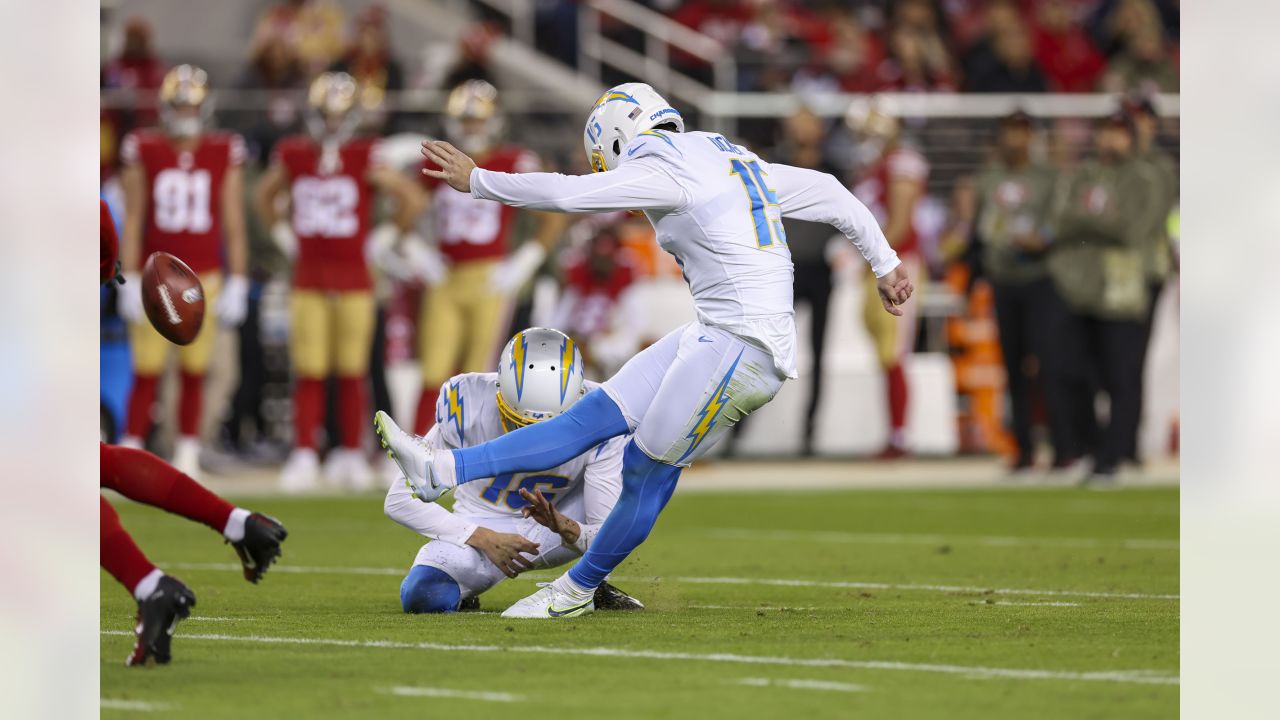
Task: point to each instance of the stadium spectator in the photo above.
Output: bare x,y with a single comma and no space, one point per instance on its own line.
1068,58
274,67
592,304
1097,267
848,63
1158,257
312,27
1143,65
1013,68
137,68
1014,203
370,61
473,56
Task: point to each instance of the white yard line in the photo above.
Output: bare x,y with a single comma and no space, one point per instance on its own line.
435,692
755,607
1029,604
918,539
784,582
132,705
799,684
1143,677
209,618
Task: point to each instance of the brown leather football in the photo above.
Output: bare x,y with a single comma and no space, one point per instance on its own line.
172,297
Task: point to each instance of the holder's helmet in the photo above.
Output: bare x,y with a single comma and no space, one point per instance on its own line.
539,377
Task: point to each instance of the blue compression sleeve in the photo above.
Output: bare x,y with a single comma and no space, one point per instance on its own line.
646,487
589,422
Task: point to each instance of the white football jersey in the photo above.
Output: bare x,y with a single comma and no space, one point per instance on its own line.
467,414
718,209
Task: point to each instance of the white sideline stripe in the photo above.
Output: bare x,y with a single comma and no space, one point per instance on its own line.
800,684
839,584
1029,604
404,691
1144,677
914,539
755,607
208,618
132,705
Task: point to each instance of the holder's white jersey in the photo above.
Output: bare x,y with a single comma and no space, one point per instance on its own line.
718,209
466,415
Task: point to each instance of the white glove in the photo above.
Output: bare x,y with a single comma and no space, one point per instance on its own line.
426,260
511,274
233,300
381,252
282,235
129,298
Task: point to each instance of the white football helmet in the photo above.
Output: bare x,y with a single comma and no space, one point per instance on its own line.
618,116
539,377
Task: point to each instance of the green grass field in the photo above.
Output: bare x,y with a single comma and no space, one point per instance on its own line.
999,603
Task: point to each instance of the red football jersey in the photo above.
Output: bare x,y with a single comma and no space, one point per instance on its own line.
109,246
873,188
596,297
331,200
471,229
184,189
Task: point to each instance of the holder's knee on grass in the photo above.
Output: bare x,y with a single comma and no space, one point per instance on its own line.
428,590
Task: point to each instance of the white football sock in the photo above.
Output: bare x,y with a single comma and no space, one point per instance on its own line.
147,585
234,531
566,585
444,466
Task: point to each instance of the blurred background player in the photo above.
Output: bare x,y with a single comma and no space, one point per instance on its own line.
1102,228
464,317
595,306
550,516
329,178
163,600
183,190
891,182
1015,196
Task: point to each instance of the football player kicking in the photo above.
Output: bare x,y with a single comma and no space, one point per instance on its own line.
514,521
142,477
718,208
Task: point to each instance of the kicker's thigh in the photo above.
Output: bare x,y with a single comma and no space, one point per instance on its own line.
633,387
715,381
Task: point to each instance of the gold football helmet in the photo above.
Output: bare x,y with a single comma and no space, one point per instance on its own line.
185,102
332,108
472,121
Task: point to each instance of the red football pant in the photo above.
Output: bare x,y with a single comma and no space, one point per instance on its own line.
426,415
143,399
145,478
351,410
120,555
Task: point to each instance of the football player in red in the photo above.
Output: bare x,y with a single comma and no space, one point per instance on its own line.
464,316
891,182
183,189
163,600
594,305
329,178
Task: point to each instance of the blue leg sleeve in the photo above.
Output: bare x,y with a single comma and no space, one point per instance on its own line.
592,420
427,590
646,487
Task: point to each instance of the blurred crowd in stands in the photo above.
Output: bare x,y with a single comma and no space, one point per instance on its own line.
1066,252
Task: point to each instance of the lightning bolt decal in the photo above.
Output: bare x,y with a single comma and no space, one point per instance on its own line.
612,95
518,350
710,411
567,364
455,410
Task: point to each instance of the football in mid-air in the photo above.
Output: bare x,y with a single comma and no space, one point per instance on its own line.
172,297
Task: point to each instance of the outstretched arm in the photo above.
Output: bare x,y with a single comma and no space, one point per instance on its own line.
816,196
638,185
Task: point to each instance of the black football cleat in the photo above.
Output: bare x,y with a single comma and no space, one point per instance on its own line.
609,597
158,616
471,604
260,545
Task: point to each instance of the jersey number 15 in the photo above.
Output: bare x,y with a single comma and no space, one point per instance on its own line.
769,231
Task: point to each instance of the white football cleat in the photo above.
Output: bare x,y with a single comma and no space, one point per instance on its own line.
550,603
417,461
186,456
301,471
